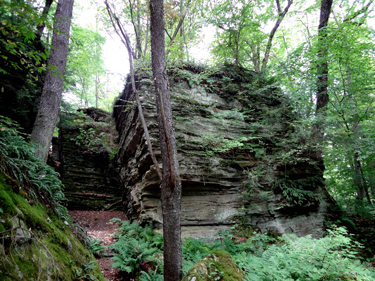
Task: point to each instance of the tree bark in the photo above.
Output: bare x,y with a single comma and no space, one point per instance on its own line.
170,184
49,107
322,97
360,181
322,85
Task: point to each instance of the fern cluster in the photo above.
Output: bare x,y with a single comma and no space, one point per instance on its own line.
261,257
35,178
134,245
330,258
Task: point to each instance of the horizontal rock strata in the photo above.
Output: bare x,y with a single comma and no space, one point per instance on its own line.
237,166
82,156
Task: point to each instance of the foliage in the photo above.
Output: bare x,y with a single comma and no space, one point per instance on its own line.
297,191
134,16
134,245
18,23
240,36
85,273
85,71
262,257
87,138
95,246
22,61
330,258
151,275
18,160
348,136
90,129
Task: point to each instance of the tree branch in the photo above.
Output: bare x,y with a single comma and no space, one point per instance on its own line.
128,47
278,7
361,11
177,28
273,31
42,25
139,45
166,31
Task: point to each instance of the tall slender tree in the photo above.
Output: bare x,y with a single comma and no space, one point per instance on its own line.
322,97
171,183
49,107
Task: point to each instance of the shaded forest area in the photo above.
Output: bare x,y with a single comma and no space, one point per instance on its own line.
316,58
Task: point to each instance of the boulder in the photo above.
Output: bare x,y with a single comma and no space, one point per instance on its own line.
219,265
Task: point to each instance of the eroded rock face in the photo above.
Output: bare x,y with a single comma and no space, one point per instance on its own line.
82,156
239,156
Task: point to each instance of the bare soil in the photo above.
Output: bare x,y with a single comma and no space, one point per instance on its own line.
96,224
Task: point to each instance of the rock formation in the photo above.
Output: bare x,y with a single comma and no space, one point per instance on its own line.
244,162
82,155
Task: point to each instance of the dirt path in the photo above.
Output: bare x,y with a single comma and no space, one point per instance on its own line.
96,224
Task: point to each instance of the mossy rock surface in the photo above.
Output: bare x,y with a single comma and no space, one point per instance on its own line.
219,265
46,250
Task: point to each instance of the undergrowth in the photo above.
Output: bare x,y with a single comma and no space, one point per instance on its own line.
31,176
261,257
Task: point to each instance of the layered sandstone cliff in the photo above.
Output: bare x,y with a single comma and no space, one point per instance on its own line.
82,156
242,159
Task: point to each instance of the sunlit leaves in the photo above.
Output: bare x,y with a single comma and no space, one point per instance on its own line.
85,64
18,32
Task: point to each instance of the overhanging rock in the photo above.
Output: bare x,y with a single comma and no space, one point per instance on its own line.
242,161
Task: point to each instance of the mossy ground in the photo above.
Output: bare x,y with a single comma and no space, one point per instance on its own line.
27,258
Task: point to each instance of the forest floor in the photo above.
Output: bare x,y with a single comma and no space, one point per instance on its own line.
96,224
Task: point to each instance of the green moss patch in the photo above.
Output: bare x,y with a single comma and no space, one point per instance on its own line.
42,247
219,265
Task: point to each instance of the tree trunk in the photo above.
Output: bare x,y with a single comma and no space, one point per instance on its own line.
360,180
41,26
322,97
137,29
170,184
322,85
49,107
